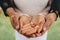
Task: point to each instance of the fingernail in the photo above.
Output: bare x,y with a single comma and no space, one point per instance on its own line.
17,27
44,28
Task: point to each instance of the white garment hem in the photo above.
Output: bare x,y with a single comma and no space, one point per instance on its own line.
21,37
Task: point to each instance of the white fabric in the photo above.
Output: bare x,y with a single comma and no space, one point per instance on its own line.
21,37
31,7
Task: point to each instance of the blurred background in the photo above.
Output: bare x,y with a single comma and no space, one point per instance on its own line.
8,33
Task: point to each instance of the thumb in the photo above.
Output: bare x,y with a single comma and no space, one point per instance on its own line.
10,11
14,22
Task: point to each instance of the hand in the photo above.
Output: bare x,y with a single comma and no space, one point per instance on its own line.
26,27
14,17
24,20
38,21
50,18
15,21
31,26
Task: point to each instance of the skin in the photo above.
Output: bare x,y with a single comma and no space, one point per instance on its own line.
14,17
19,23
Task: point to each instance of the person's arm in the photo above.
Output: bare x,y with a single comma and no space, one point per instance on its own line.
52,16
55,7
9,10
5,4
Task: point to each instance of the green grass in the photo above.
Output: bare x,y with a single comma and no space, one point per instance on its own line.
7,32
54,32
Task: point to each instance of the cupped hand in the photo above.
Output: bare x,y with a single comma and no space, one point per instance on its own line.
50,18
14,18
31,26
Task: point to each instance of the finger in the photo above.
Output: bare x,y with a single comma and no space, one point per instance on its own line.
15,21
32,30
28,30
38,34
41,25
25,28
35,35
36,19
24,20
46,26
10,11
50,18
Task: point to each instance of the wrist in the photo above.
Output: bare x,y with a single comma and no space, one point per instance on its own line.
51,16
5,5
10,11
55,12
